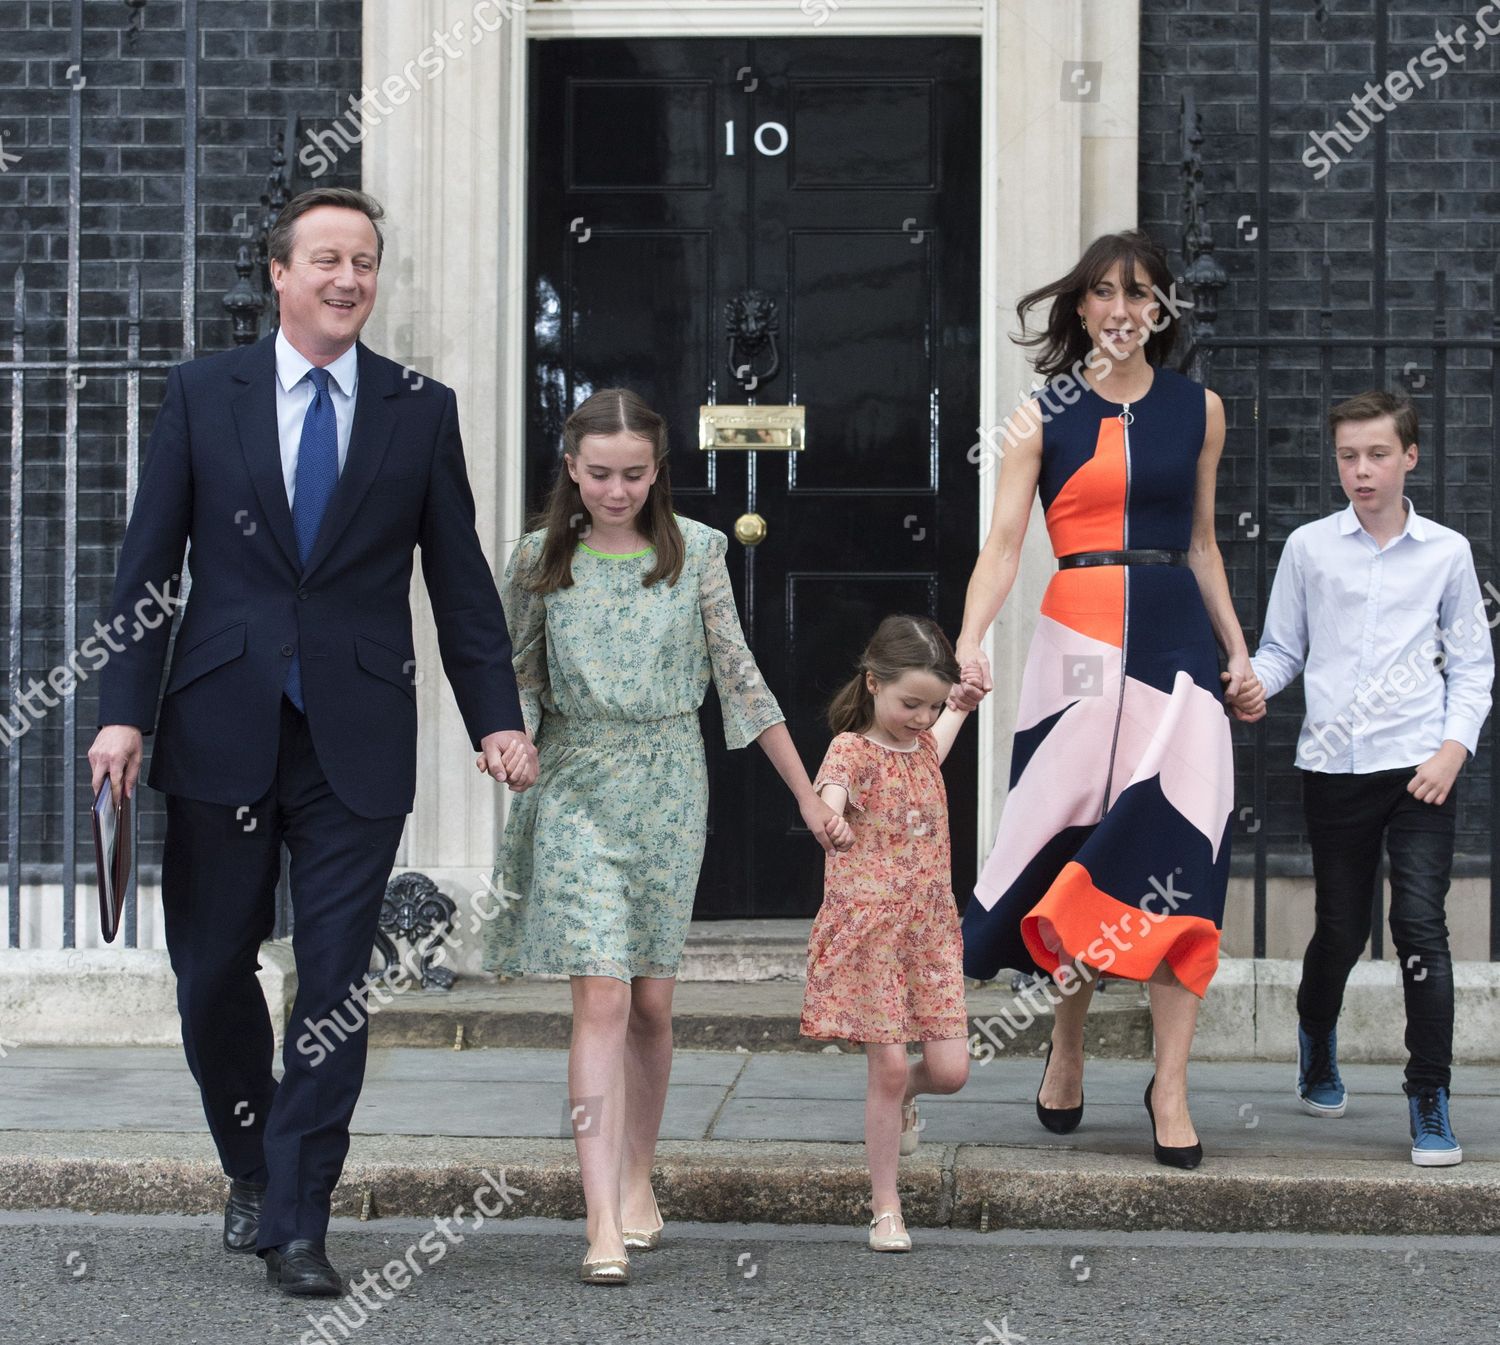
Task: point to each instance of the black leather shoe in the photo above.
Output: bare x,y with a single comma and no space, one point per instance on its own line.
1181,1156
302,1270
1059,1120
242,1216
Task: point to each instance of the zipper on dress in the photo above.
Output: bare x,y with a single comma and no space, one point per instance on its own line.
1126,419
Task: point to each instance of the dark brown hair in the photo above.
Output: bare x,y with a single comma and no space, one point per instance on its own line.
608,411
901,644
1064,342
1372,405
283,232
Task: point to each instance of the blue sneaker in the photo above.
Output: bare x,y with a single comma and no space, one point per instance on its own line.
1433,1144
1319,1088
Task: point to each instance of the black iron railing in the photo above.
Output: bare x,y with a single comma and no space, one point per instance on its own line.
114,383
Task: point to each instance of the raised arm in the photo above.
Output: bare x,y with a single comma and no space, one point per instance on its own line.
999,558
946,730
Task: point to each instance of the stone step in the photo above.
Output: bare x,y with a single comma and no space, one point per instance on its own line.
745,950
728,1016
786,1182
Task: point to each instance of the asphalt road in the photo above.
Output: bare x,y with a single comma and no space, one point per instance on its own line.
163,1280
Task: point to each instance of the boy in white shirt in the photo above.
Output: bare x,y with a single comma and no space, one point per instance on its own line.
1380,610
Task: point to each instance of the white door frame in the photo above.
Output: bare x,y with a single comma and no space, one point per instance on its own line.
1056,171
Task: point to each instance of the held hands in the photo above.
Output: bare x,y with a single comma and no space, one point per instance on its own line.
1244,693
1435,776
827,827
974,683
116,753
510,757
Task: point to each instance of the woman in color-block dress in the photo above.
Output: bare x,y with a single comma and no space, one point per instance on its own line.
1112,854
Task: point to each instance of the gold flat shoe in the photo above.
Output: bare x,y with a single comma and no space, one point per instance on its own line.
607,1270
911,1128
896,1240
645,1239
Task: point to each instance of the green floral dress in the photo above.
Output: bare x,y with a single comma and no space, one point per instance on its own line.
602,854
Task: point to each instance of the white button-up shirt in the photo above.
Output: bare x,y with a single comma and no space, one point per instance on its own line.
1393,642
294,394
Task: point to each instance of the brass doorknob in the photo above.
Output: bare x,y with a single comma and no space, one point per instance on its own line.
750,529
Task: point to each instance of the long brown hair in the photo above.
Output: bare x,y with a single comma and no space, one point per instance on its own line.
1064,342
900,645
608,411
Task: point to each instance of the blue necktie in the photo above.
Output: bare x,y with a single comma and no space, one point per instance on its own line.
317,475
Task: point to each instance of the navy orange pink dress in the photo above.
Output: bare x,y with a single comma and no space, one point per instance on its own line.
1113,845
885,959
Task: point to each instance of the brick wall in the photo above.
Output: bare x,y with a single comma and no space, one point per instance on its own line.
261,59
258,61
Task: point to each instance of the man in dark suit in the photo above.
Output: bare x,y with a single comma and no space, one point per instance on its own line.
303,471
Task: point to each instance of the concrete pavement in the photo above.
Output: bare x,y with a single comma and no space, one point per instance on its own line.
776,1137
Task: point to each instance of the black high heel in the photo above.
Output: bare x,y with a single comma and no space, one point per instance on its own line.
1180,1156
1059,1120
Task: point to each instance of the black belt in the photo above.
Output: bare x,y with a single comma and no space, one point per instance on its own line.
1133,557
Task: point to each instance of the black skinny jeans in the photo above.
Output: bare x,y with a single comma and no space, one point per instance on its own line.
1347,818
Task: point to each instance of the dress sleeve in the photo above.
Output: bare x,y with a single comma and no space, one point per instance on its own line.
526,615
850,764
748,705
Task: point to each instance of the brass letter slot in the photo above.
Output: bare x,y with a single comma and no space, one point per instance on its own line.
775,428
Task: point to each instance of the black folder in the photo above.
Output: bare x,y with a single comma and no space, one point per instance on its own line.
112,825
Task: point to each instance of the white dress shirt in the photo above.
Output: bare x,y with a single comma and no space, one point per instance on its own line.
1393,642
294,394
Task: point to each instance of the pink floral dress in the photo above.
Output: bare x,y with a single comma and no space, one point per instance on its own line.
885,961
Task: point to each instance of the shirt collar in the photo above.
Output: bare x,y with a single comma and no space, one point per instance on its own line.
1415,527
292,366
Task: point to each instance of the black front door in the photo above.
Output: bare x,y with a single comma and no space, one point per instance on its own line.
830,189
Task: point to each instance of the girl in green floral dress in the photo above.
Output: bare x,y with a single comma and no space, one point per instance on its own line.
615,640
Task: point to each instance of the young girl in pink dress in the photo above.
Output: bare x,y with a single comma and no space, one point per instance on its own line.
885,961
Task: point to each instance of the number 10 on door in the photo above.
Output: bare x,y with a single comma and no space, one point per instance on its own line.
770,138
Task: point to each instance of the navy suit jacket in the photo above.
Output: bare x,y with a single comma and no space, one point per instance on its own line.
212,480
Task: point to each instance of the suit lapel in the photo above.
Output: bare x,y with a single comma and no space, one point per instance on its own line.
369,437
260,440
